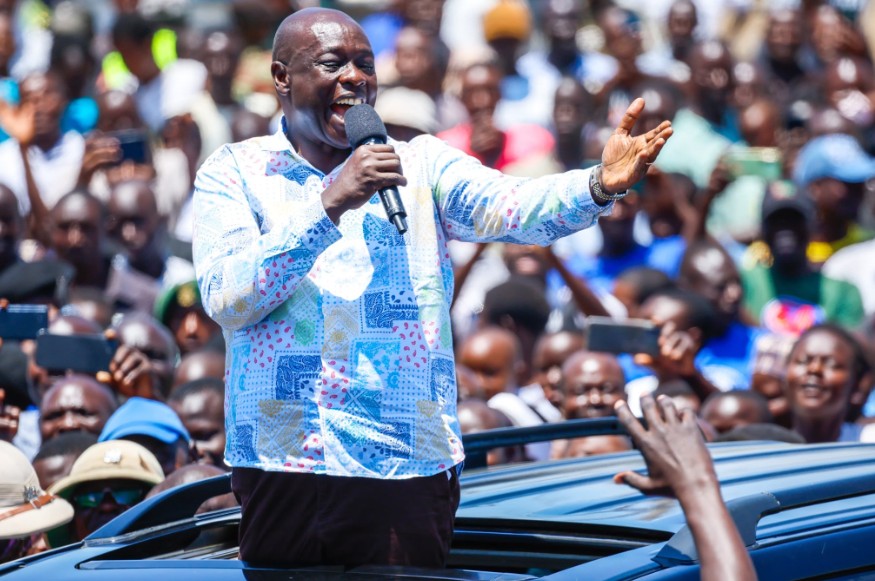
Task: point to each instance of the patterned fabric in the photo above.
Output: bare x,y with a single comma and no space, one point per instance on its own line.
340,353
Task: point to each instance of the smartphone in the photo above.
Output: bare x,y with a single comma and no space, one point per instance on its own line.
19,322
621,336
81,353
764,162
134,144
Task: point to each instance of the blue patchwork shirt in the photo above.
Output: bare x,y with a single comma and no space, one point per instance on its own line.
339,350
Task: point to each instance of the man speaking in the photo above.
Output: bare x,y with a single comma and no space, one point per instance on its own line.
341,396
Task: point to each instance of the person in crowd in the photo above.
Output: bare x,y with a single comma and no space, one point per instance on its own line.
200,406
706,125
828,376
75,403
769,373
56,456
160,93
550,353
476,416
27,511
518,305
135,224
481,137
155,426
79,237
107,479
833,171
306,320
728,410
421,61
589,446
635,285
592,383
92,304
709,271
180,310
493,356
790,295
204,364
685,321
194,473
141,331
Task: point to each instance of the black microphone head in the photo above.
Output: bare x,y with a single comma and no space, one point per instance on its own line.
363,123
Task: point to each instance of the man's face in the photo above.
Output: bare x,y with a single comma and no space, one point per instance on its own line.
97,502
481,90
716,278
414,58
192,328
786,234
491,359
561,21
330,68
75,404
46,94
820,377
569,109
78,231
618,227
203,415
681,22
838,200
784,35
551,351
593,383
133,217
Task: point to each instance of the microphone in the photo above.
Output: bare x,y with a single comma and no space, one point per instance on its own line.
364,127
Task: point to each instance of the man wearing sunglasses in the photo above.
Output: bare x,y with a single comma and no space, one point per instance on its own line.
109,478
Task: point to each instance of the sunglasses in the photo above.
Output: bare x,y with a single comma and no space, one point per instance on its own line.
123,496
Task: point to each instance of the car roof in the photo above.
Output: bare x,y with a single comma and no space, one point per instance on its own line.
580,491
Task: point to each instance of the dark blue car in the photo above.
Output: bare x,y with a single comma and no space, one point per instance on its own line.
805,512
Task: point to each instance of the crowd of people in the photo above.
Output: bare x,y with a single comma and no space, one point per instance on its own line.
747,243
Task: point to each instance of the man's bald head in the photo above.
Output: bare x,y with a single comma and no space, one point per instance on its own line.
297,27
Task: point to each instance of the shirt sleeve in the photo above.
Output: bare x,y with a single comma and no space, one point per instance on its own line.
479,204
244,273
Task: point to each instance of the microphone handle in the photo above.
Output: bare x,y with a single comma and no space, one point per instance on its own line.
391,198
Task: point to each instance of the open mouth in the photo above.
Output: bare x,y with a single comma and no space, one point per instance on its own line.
341,106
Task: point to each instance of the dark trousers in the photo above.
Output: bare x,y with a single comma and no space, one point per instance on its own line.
291,519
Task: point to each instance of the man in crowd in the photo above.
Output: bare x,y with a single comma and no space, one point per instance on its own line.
353,375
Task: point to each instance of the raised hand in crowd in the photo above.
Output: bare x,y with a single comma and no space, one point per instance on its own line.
677,359
131,373
679,465
101,151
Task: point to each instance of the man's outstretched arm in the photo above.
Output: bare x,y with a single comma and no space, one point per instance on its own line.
679,465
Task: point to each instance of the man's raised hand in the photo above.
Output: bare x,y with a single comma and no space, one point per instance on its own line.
625,158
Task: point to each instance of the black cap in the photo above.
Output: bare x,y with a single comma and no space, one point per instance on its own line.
781,196
36,282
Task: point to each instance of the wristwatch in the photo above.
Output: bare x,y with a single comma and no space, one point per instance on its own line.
595,186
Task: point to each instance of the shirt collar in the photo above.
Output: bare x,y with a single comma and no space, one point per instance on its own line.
278,141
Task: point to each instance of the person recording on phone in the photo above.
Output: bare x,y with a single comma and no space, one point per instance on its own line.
341,407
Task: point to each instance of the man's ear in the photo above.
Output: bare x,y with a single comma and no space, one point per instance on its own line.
281,78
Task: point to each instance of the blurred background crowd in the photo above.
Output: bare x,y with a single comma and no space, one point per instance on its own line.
750,243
